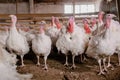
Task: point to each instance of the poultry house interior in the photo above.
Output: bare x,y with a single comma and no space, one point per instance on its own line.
59,39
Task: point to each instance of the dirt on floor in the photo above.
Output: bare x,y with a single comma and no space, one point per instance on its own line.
87,70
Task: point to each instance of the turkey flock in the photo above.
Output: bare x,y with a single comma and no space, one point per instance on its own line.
97,38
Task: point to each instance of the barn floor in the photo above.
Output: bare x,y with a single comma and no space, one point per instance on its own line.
57,71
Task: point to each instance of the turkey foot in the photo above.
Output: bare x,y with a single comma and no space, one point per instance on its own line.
38,64
22,65
45,68
66,64
101,73
110,66
73,66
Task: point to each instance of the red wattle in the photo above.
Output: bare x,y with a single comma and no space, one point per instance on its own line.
87,29
58,25
70,28
108,23
71,25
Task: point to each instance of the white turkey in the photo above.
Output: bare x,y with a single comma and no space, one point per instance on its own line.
87,27
54,30
115,29
74,41
88,32
102,46
16,42
93,26
29,34
8,67
97,24
41,45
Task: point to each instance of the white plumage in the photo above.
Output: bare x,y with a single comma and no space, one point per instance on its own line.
41,45
3,37
102,46
30,35
16,42
96,25
8,73
74,40
8,67
54,30
115,29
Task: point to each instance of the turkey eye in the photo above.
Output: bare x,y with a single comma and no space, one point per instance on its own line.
89,38
70,37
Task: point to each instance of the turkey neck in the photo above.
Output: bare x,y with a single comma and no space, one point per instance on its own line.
13,27
41,31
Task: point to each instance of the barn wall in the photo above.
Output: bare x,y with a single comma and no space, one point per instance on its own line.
23,7
10,8
49,8
59,8
7,8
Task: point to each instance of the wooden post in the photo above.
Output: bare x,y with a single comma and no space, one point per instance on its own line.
118,8
8,6
31,3
16,6
73,2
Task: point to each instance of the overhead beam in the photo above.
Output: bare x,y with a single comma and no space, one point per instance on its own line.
46,15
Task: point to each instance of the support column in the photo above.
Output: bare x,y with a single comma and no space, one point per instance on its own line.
118,8
31,3
73,8
16,6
